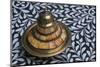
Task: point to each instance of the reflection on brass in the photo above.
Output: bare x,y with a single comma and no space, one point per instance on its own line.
46,37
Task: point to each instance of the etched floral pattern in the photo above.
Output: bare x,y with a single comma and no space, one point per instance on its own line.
81,20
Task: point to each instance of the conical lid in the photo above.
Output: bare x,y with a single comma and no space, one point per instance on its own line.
47,35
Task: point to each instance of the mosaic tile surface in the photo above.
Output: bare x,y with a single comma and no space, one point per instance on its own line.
80,19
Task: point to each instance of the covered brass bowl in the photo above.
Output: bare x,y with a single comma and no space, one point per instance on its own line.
46,37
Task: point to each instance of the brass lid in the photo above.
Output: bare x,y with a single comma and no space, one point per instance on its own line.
47,37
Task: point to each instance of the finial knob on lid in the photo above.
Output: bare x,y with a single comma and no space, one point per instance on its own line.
46,19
